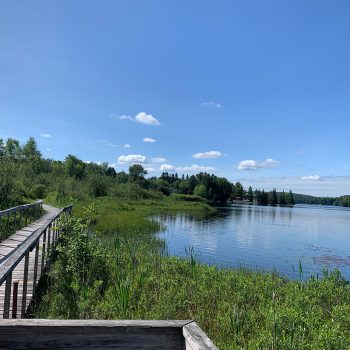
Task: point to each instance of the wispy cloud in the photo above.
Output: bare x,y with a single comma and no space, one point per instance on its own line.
194,167
150,169
141,117
207,155
211,104
148,139
126,145
107,143
167,167
158,160
132,159
312,177
251,164
45,135
48,149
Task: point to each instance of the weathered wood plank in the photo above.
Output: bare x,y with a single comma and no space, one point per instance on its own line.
15,254
196,339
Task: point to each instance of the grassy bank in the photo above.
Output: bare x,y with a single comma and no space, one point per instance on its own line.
110,266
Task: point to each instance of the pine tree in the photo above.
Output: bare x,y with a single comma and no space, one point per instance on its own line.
250,194
273,197
282,198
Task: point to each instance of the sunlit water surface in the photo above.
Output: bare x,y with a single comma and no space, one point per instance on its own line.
265,238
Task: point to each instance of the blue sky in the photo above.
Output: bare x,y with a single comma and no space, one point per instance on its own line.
256,91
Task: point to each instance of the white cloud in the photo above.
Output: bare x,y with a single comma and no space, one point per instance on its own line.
195,167
125,117
158,160
211,104
167,167
141,117
148,139
45,135
48,149
150,170
144,118
206,155
105,142
132,159
112,165
251,164
311,177
126,145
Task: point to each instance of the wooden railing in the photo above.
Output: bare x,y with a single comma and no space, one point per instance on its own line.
41,334
43,240
15,218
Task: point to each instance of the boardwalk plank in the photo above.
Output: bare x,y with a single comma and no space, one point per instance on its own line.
9,245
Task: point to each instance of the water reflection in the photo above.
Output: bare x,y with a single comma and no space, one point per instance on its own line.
263,237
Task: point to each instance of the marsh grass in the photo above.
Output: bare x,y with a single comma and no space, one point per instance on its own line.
129,274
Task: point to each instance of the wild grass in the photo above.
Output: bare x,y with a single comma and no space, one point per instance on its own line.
110,266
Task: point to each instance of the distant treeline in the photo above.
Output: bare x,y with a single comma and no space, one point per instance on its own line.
25,175
343,201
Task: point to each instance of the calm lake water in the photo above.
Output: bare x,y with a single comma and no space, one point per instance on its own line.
265,238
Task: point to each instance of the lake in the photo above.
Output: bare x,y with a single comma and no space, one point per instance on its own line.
265,238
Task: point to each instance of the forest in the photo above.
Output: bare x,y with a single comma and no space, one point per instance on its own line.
25,175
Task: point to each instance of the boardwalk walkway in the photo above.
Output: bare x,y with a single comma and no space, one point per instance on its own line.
31,255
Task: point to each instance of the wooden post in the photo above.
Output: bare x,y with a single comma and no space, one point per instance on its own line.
25,283
48,241
8,223
14,299
20,219
35,267
26,216
7,299
43,252
14,222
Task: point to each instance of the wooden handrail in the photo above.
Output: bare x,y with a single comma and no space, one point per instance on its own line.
10,262
20,208
15,218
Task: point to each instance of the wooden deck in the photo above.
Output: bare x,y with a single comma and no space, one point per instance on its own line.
35,261
99,334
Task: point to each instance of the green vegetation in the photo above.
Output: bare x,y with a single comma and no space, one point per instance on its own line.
110,266
25,175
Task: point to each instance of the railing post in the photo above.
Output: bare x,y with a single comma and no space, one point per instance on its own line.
35,266
25,284
8,223
20,219
43,252
14,299
6,313
48,240
14,222
26,216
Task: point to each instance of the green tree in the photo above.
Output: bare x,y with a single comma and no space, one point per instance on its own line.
30,150
282,198
200,190
250,194
2,148
74,166
290,198
273,197
238,191
137,172
13,149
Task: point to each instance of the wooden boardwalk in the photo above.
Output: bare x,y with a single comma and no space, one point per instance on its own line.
34,259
